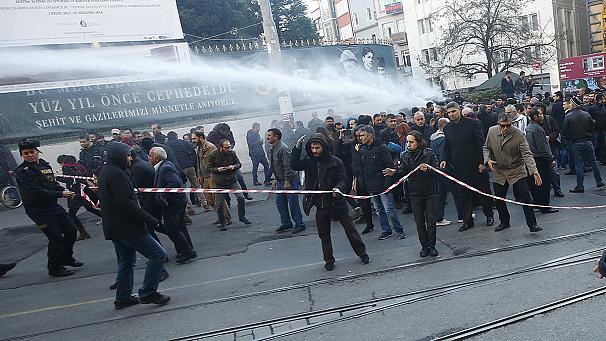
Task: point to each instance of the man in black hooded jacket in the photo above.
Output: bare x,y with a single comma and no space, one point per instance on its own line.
124,223
326,172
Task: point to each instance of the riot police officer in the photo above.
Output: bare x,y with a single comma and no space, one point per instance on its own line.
40,191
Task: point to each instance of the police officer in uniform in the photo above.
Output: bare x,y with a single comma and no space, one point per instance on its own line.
40,191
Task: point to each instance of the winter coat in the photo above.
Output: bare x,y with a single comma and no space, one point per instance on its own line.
167,176
374,158
185,152
142,174
512,154
279,160
426,130
217,134
92,158
38,187
557,112
520,122
202,153
421,185
122,216
507,87
218,159
535,135
463,148
255,145
7,163
321,173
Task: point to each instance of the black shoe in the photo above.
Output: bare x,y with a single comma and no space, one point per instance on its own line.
298,229
600,185
329,266
577,189
60,272
570,173
284,228
465,227
248,197
365,259
257,183
132,300
549,210
587,170
4,268
163,276
433,252
155,298
401,235
182,259
407,210
368,229
535,228
385,235
245,221
501,227
113,286
489,221
424,252
559,194
222,227
74,264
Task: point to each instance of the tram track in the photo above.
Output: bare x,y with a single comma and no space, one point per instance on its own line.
329,281
299,323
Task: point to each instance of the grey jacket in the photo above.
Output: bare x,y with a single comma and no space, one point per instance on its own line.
279,159
538,142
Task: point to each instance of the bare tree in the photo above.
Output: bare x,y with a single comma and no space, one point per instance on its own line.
486,37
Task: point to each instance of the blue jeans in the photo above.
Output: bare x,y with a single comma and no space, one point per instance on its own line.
286,201
126,250
387,212
255,168
583,152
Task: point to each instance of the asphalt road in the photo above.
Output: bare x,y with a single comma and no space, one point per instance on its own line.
250,274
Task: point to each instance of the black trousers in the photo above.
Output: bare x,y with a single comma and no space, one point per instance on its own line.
174,225
61,233
424,212
323,224
365,204
481,182
540,194
522,194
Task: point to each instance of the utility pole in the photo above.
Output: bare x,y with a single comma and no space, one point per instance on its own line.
275,56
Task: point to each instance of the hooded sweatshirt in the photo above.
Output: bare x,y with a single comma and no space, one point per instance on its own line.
122,216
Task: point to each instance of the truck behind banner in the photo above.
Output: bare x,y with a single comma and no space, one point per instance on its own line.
583,71
41,111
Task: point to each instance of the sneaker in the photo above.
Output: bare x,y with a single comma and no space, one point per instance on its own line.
188,220
433,252
424,252
577,189
443,222
385,235
368,229
601,184
535,228
60,272
155,298
113,286
329,266
182,259
365,259
245,221
74,264
401,235
132,300
459,220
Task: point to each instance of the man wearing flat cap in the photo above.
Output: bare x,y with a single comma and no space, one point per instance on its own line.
40,191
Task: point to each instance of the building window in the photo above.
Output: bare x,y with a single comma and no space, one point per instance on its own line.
355,19
369,13
534,22
433,52
400,26
374,38
429,24
421,26
406,59
425,56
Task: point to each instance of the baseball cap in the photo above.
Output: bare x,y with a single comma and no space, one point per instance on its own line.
115,131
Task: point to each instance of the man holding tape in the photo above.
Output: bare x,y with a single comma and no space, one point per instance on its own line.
507,154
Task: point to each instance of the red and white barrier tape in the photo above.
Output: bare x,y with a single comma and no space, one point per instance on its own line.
509,200
283,191
59,175
272,191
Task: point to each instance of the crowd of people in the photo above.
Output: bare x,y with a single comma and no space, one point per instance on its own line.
518,140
